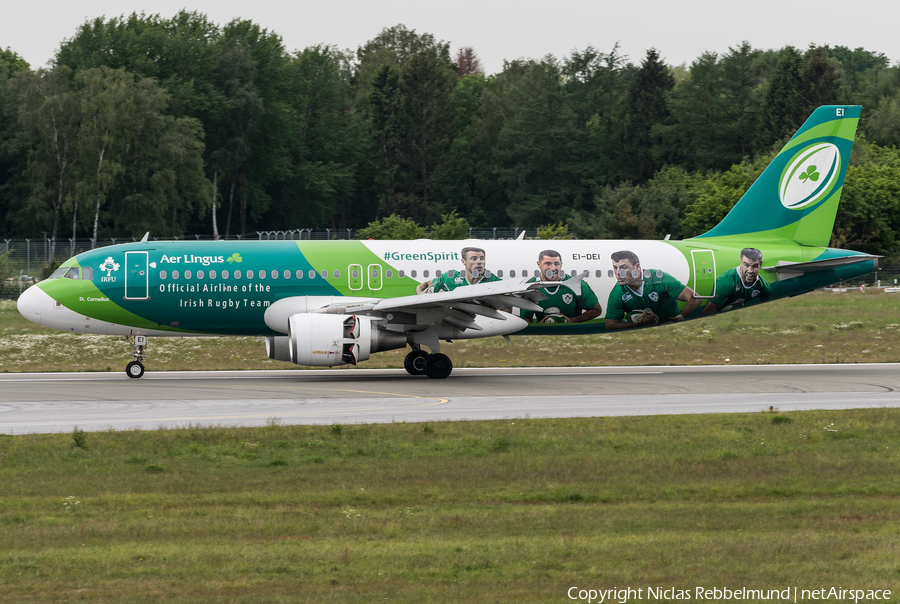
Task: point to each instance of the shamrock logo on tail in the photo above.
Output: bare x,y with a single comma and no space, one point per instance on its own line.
235,257
810,174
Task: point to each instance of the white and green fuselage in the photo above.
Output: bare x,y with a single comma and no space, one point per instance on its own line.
289,289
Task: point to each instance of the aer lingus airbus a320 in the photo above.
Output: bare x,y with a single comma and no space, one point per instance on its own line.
326,303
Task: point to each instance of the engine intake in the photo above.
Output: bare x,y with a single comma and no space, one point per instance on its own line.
321,340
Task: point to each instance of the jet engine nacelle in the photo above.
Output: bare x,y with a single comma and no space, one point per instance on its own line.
321,340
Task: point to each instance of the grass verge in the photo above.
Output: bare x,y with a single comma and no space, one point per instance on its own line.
493,511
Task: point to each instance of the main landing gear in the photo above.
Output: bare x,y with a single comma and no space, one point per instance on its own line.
135,368
419,362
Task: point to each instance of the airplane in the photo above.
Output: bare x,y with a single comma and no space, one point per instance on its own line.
329,303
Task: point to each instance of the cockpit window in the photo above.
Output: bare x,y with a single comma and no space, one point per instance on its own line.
58,272
87,273
72,273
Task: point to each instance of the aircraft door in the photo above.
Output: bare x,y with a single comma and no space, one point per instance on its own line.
374,275
704,277
137,276
354,273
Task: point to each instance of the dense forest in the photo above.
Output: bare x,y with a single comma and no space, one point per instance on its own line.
179,125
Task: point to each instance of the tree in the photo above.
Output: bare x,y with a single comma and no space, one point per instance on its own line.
392,227
49,115
13,164
451,226
646,108
412,122
467,62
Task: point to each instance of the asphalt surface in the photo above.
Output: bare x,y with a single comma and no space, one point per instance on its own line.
56,402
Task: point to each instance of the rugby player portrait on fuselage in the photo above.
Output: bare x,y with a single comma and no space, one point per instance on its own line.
740,286
474,260
563,305
644,297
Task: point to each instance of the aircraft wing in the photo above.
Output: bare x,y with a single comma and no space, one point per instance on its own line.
461,306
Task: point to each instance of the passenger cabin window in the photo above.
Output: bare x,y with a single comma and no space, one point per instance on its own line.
87,273
598,273
237,274
212,274
437,273
287,274
337,274
611,275
175,274
262,274
250,274
500,273
199,274
72,273
299,274
389,274
162,275
224,274
412,273
312,274
512,273
658,274
375,274
324,274
187,274
401,274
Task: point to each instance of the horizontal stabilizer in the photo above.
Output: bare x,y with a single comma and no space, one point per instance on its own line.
784,269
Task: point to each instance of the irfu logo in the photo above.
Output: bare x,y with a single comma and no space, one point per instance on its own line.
810,174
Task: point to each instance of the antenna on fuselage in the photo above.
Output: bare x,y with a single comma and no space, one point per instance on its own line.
146,237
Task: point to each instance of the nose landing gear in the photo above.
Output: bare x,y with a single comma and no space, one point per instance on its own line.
135,368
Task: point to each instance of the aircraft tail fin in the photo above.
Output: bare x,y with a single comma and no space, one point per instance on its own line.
797,195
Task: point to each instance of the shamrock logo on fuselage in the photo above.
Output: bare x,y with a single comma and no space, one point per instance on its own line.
235,257
810,174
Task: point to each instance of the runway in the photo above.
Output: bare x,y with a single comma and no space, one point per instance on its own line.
56,402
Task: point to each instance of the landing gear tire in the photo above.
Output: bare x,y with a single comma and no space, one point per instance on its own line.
438,366
134,369
415,361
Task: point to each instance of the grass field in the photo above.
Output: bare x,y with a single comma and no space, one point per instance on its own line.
494,511
820,327
518,510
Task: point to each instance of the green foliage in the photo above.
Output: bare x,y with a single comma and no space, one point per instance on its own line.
452,226
711,198
555,231
868,218
392,227
79,438
218,128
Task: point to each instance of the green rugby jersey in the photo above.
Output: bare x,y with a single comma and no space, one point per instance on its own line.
562,301
731,293
658,293
446,283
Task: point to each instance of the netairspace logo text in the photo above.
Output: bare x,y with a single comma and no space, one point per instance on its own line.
722,594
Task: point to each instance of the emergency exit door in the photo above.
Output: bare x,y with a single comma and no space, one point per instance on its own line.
704,277
137,276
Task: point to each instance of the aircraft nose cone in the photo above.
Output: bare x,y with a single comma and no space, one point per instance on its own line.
29,304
